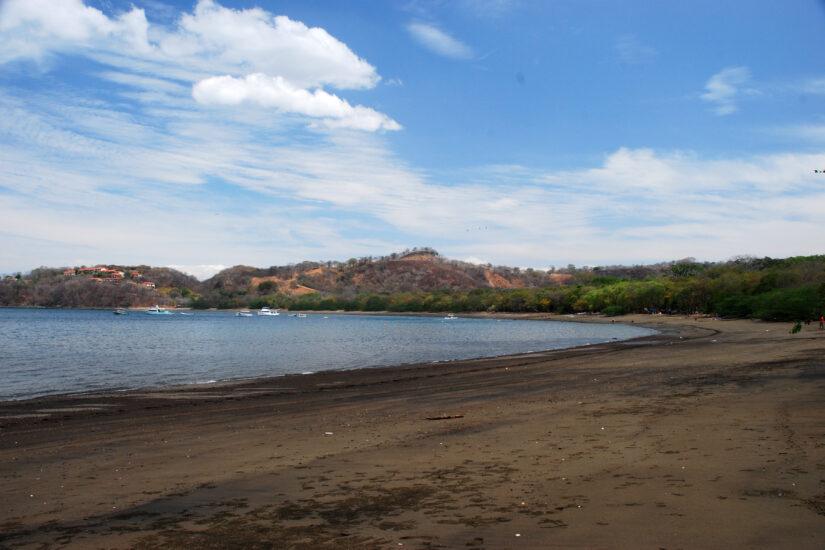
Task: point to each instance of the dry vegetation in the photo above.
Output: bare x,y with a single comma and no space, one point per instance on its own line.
420,280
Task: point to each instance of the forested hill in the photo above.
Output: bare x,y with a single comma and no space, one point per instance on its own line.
421,280
100,286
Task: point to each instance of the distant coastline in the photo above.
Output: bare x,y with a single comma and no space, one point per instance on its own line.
421,281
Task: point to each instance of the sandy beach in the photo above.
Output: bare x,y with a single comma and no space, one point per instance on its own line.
708,435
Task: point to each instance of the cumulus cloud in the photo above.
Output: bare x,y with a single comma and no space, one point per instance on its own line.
210,38
439,42
677,175
725,87
268,91
230,57
253,40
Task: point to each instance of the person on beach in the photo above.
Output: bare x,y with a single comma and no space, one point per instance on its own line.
822,321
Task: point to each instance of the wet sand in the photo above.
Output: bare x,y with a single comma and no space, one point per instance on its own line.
709,435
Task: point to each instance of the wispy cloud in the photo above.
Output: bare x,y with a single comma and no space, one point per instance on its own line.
223,188
34,28
813,86
439,42
478,8
229,130
726,88
634,52
488,8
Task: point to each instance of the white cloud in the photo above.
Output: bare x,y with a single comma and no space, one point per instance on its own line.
725,88
808,132
636,205
212,38
230,57
224,184
645,173
439,42
268,91
252,40
200,271
814,86
474,260
31,28
633,52
488,8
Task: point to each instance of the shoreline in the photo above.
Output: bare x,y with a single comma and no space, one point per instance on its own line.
498,316
228,384
708,435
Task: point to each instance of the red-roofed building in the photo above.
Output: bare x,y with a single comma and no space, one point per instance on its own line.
69,273
149,284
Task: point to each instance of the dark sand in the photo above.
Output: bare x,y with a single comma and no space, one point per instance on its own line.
711,435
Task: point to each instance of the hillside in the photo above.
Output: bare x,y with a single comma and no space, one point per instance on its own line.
420,280
101,286
418,271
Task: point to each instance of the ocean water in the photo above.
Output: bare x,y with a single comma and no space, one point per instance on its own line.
46,352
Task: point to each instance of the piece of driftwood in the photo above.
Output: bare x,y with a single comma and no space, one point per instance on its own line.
445,417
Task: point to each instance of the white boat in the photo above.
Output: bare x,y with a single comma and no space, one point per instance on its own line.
244,313
268,312
450,317
155,310
121,312
300,315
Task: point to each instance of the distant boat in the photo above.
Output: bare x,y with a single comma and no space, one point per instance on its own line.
300,315
155,310
121,312
268,312
450,316
244,313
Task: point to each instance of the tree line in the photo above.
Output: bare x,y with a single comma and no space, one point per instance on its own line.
764,288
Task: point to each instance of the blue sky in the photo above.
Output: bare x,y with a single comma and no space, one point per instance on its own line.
204,134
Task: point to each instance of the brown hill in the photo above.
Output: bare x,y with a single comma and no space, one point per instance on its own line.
417,271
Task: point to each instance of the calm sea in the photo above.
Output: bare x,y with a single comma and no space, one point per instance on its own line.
63,351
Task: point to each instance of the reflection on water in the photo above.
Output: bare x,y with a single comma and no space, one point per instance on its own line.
60,351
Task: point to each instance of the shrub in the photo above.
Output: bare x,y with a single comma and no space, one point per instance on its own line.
788,304
613,311
735,306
